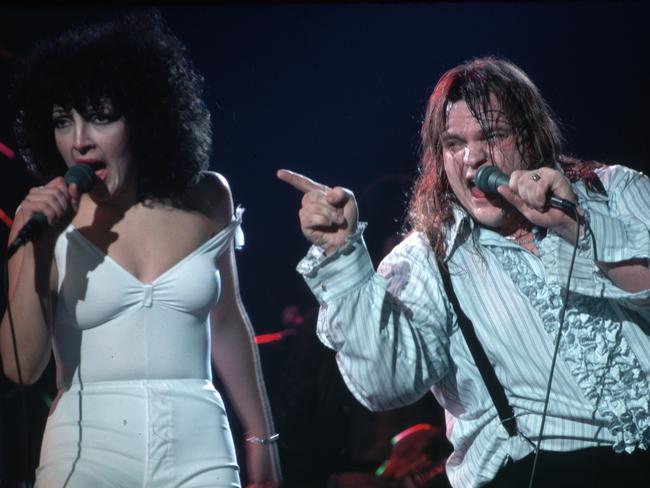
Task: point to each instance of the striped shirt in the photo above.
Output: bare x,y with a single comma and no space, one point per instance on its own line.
397,337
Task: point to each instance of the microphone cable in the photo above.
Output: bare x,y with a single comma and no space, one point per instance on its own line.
84,177
557,345
21,383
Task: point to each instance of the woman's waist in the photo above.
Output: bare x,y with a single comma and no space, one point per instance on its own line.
128,363
130,409
137,384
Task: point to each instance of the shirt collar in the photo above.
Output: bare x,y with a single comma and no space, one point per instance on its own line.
461,231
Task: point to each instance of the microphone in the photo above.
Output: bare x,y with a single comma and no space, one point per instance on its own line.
81,174
489,178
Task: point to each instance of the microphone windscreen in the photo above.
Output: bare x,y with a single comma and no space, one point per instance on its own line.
489,178
83,175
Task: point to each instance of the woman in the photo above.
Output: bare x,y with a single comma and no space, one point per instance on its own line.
134,284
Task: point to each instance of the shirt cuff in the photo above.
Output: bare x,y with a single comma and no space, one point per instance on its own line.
617,240
335,275
595,244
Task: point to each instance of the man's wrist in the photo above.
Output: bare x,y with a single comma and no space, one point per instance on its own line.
571,227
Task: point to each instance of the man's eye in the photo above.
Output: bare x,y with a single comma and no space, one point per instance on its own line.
496,136
452,145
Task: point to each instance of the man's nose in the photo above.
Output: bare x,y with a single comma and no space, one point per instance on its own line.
476,153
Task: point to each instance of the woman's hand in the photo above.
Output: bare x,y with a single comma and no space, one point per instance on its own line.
56,200
328,215
263,466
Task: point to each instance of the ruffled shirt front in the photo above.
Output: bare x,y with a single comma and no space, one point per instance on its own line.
593,347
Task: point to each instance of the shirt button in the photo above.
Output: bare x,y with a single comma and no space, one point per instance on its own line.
323,287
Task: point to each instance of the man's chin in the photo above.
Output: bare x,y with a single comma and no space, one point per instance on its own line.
492,216
496,200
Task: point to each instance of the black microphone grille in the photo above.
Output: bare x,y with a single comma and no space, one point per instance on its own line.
489,178
83,175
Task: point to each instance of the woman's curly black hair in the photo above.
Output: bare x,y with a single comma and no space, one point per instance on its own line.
144,70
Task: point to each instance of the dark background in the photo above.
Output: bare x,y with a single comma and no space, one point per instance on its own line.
337,92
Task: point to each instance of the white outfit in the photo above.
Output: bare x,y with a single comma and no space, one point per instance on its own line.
136,406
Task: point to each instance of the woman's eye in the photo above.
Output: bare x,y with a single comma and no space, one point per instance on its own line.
60,122
101,119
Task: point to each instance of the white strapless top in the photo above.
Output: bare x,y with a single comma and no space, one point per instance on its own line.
111,326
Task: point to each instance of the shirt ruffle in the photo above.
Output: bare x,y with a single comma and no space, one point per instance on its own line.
594,349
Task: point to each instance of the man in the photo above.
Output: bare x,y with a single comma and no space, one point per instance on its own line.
508,255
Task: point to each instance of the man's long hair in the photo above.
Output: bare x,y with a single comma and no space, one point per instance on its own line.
479,83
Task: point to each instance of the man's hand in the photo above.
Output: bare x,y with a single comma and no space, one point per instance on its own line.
528,192
328,215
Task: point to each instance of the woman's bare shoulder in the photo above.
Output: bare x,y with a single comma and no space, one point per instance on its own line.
212,196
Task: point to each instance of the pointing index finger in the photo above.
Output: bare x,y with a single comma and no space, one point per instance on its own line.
299,182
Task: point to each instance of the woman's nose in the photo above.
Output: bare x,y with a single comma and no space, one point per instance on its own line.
82,140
